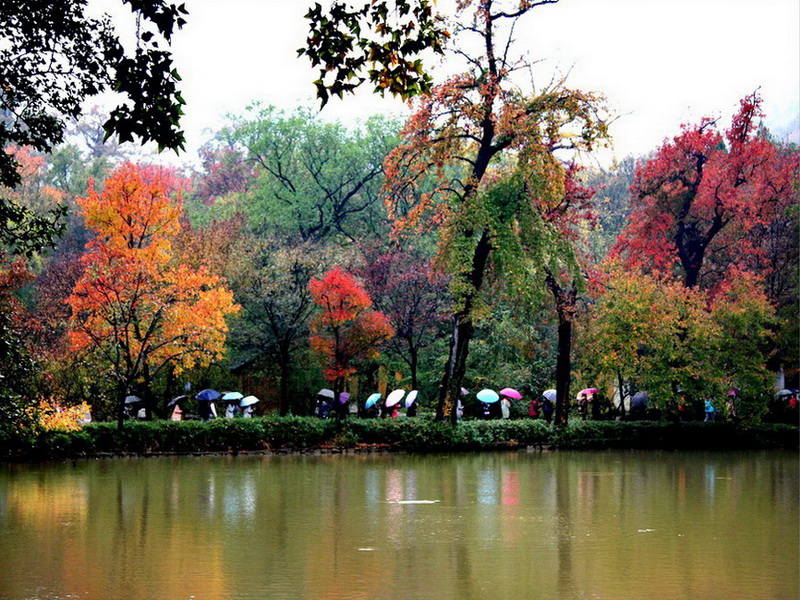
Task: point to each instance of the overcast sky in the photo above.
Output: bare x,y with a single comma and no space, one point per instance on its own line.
660,63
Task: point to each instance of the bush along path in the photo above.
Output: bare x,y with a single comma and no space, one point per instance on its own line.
309,434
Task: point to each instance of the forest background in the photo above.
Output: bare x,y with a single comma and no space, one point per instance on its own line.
676,271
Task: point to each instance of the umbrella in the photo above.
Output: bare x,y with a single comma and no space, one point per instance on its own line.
372,400
343,398
326,393
511,393
395,397
175,401
781,393
411,398
231,396
248,400
132,399
549,395
588,391
208,395
464,391
639,399
487,396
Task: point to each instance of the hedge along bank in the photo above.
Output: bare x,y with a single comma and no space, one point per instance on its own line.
305,434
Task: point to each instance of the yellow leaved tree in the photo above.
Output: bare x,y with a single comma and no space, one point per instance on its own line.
137,307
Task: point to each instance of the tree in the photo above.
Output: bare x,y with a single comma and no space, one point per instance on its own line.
346,329
53,58
225,172
654,332
316,180
134,307
17,367
478,132
697,202
378,41
271,282
611,204
410,291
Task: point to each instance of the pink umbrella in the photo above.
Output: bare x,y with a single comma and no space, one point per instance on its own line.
589,391
511,393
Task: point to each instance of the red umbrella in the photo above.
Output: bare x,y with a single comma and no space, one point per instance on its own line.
511,393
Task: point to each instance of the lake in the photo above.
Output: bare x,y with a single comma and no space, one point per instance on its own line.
522,525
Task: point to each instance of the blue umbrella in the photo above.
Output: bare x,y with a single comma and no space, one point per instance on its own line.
208,395
372,400
487,396
232,396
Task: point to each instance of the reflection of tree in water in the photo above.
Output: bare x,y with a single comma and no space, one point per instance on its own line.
564,531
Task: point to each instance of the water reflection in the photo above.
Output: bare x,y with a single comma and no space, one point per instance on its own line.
554,525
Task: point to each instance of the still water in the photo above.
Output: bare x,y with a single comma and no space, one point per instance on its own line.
511,526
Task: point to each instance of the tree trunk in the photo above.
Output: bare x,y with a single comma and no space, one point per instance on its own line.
413,361
338,408
621,383
563,369
566,306
284,366
122,393
450,386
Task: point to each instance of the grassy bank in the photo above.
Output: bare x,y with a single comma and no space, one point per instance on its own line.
411,435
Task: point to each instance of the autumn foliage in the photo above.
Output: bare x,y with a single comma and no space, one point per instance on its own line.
136,306
346,329
701,205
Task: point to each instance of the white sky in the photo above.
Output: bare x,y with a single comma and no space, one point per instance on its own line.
660,63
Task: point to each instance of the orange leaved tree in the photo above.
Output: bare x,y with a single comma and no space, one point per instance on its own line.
136,306
347,329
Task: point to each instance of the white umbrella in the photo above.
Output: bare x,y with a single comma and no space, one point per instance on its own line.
326,393
231,396
395,397
248,401
549,395
412,396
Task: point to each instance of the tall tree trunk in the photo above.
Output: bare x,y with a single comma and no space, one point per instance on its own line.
338,388
566,306
413,361
121,394
563,369
284,366
450,386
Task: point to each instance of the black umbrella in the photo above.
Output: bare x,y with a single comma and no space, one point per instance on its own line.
175,401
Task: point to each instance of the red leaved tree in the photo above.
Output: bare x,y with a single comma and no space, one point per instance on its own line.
701,204
347,329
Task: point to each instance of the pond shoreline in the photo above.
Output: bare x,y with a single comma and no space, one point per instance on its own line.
309,435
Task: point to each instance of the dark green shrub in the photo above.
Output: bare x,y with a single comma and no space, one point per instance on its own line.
412,435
